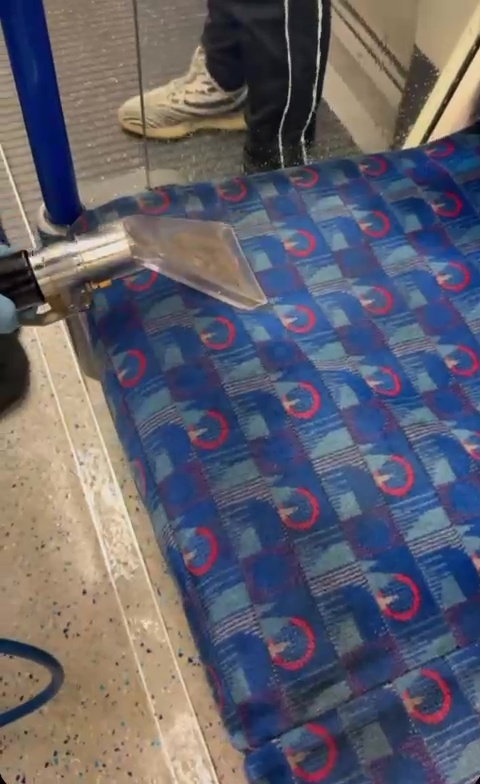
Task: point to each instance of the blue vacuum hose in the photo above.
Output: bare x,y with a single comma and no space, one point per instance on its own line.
24,651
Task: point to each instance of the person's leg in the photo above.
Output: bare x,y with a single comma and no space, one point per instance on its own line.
285,49
221,42
279,48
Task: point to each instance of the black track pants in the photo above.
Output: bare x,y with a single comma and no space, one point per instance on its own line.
279,49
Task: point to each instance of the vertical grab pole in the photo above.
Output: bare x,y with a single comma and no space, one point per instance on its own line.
28,43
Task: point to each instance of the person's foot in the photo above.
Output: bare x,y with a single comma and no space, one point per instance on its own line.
185,105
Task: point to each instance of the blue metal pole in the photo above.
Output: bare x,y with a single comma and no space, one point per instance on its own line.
28,43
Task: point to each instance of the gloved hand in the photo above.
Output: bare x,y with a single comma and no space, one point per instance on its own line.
8,316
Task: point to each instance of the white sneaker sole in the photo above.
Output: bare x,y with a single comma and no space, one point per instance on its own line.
227,122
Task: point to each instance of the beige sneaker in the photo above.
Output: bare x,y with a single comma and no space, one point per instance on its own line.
185,105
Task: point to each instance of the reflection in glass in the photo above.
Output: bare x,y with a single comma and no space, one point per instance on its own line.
385,58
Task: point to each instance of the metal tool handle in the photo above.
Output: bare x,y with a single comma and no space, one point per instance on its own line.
64,274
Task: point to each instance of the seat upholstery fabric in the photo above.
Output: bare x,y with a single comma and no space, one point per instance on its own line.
311,468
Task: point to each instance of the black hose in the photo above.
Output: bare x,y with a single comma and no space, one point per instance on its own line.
17,280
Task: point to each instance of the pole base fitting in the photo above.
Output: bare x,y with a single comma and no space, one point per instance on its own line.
47,230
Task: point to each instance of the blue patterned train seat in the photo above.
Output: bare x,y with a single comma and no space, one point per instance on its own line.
312,469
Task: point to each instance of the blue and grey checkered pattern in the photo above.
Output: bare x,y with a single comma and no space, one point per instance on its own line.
312,468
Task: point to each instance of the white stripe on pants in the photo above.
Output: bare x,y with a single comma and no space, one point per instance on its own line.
290,80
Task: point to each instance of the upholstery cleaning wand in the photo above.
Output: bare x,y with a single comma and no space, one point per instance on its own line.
59,280
64,275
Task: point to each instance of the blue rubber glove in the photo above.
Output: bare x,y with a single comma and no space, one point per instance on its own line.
8,316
